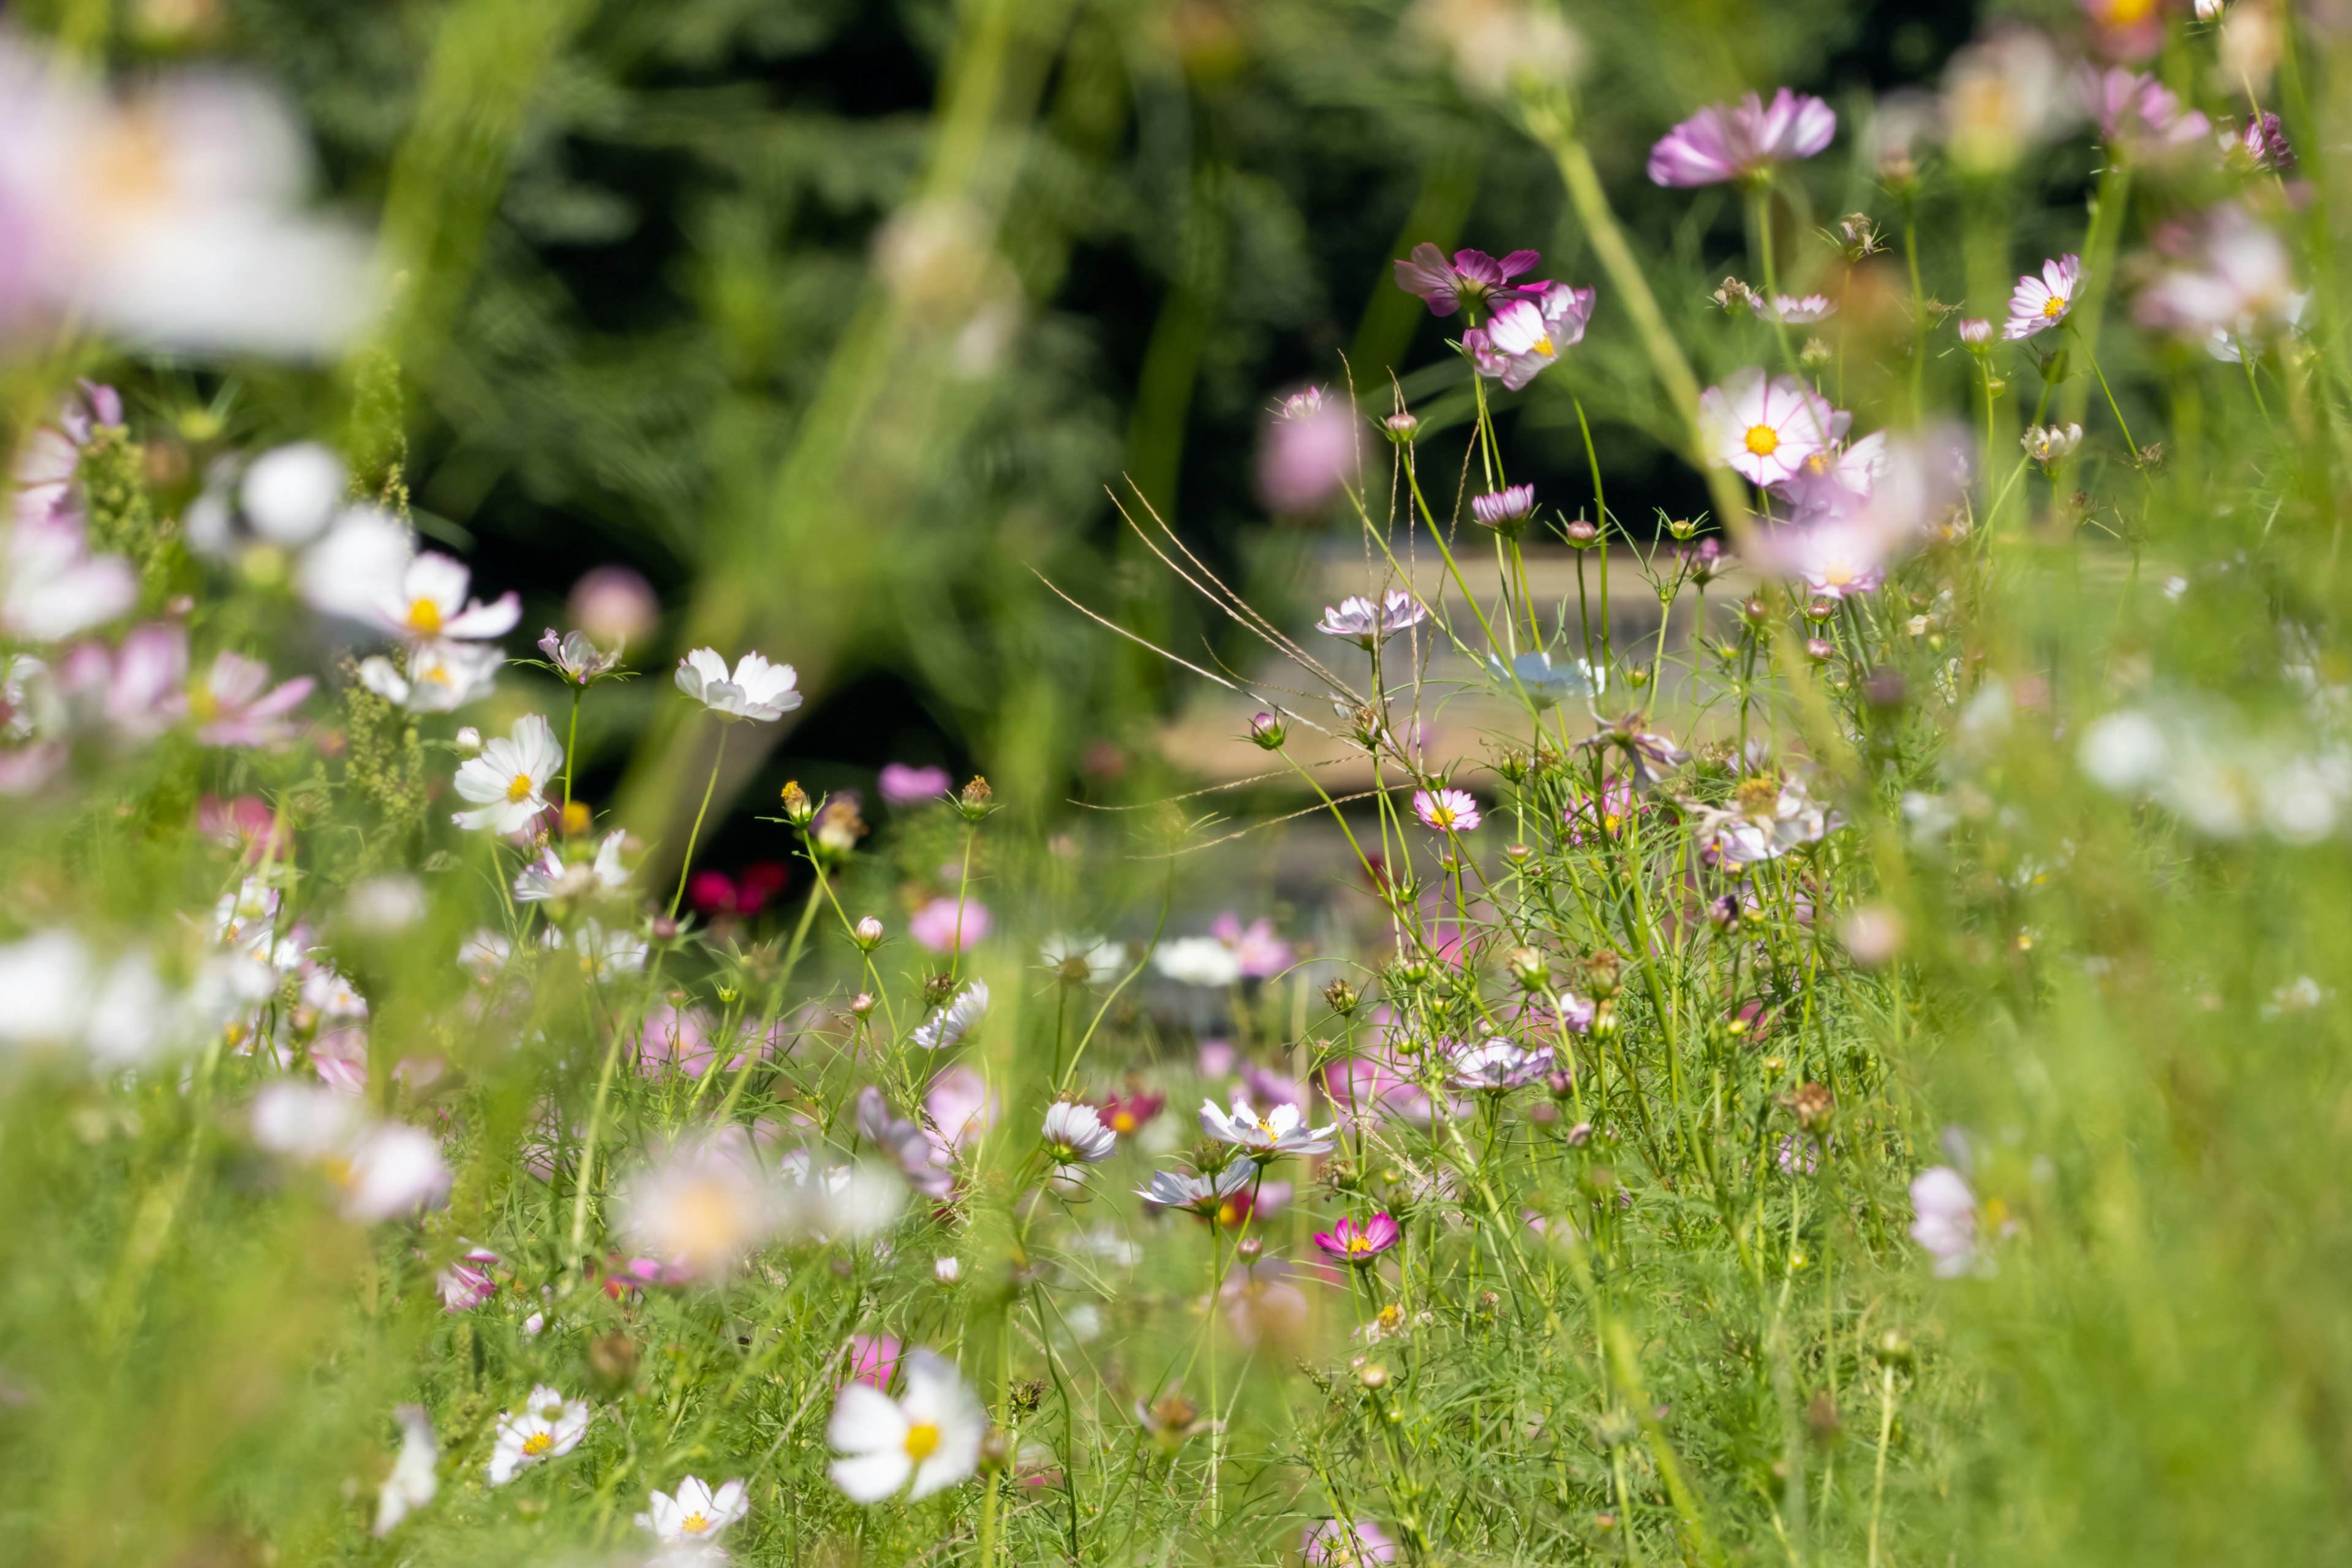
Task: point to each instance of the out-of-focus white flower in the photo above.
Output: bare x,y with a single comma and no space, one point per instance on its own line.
1945,1219
429,603
1545,681
344,572
1074,1131
757,689
1198,961
413,1482
698,1207
2123,751
441,678
947,1268
696,1514
56,993
827,1202
2238,284
395,1170
54,586
289,493
1498,46
1767,817
551,876
947,1028
508,781
485,953
2003,98
382,906
548,1427
1106,961
925,1441
2047,444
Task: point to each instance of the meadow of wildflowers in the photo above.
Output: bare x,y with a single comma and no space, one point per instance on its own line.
1837,1059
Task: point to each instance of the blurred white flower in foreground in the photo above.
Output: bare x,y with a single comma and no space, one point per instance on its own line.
1198,961
947,1028
169,218
56,993
1945,1220
700,1205
551,876
384,1168
930,1438
696,1513
2204,766
547,1428
412,1482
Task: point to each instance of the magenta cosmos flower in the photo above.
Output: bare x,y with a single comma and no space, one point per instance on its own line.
1467,281
1526,335
904,784
1766,429
1446,810
1738,141
2041,303
1358,1244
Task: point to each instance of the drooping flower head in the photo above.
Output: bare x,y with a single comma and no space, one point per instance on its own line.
1465,283
1526,334
1075,1133
2042,303
1358,1244
1446,810
1766,427
1369,624
924,1441
1742,140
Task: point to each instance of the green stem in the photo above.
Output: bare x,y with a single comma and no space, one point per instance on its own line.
686,869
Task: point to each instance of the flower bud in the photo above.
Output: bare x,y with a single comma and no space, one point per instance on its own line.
1267,730
1581,534
799,810
1819,608
1819,649
1530,968
868,935
468,741
1894,1349
1250,1249
1604,1020
1813,1105
1601,976
1342,998
1816,355
1755,611
1400,428
1562,1086
948,1268
665,928
1681,527
1373,1376
1579,1135
863,1004
995,1449
1723,913
973,801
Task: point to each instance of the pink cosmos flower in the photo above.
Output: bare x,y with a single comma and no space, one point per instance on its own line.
1741,141
137,691
1358,1244
903,784
1216,1058
2138,113
467,1282
961,1107
340,1057
2236,283
1974,331
2041,303
1347,1543
1466,283
1766,427
1945,1219
874,1358
1526,334
1259,950
681,1038
2125,29
1309,448
1804,312
234,705
2262,144
245,824
946,925
1446,810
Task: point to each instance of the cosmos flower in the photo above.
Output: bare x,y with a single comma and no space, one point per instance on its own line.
1507,510
922,1442
2237,282
960,1106
1446,810
413,1481
1766,427
902,785
947,1028
576,657
1944,1219
696,1514
2137,113
1261,1303
430,604
1368,625
235,705
600,953
1199,1194
52,587
1974,331
920,1159
699,1205
552,877
1074,1131
1467,281
1742,140
1103,961
468,1283
1198,961
2002,98
1347,1543
1497,1065
1281,1130
1804,312
1526,335
508,782
2046,444
2041,303
1767,816
1309,448
950,925
1358,1244
440,678
548,1427
2262,145
757,690
1255,947
1128,1112
874,1358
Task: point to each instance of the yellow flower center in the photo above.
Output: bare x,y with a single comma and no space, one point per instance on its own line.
203,706
1543,346
2124,12
520,789
538,1444
1360,1243
424,618
1763,440
1122,1121
2054,307
922,1440
1839,575
694,1524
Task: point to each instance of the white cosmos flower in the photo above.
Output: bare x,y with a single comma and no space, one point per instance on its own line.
699,1206
1203,1194
1198,961
55,587
550,876
442,676
547,1428
429,603
344,571
1281,1130
1076,1132
930,1438
696,1514
413,1481
1766,427
948,1026
602,952
290,493
757,689
508,781
395,1170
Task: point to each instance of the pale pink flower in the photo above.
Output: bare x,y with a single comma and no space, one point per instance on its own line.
614,604
699,1205
1741,141
1369,624
1526,334
1800,312
960,1106
1310,446
234,704
1347,1543
904,784
2238,282
680,1038
2041,303
2138,113
1974,331
1446,810
1766,427
1254,946
1945,1219
136,692
874,1358
950,925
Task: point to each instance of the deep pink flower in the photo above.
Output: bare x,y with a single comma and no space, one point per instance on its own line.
902,783
1466,283
1526,334
1738,141
467,1282
245,824
1358,1244
1125,1113
948,925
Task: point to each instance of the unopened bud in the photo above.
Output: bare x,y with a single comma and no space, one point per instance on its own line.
1815,354
1373,1376
973,799
1819,649
1562,1086
1819,608
1756,612
1604,1020
1250,1249
995,1449
868,935
468,739
1530,968
862,1003
665,928
1579,1135
1600,974
1893,1349
798,809
1581,534
1517,854
1400,428
1342,998
1681,527
1267,730
948,1270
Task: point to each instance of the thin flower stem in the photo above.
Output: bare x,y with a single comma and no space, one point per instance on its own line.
686,869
